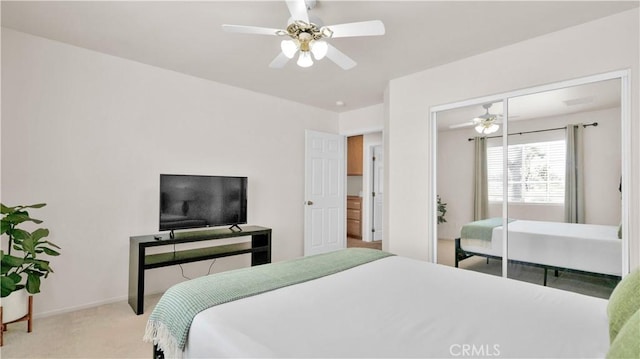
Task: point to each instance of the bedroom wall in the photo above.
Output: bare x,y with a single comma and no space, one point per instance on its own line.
89,134
558,56
363,120
601,172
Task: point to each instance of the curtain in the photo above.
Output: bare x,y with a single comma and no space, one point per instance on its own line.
574,179
481,188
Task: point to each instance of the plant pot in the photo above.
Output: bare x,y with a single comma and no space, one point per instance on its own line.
15,306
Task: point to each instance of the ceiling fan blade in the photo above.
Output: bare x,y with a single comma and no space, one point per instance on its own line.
298,10
365,28
340,58
279,61
250,30
461,125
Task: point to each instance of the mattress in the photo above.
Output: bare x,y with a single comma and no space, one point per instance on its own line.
586,247
400,307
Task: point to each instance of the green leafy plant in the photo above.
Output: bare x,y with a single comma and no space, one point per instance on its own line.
24,268
442,210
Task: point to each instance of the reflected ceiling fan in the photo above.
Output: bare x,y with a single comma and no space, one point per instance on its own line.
309,38
485,124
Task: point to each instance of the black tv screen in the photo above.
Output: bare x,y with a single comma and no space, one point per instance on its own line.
188,201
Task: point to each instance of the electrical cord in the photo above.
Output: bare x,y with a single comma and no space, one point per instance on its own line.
182,269
208,272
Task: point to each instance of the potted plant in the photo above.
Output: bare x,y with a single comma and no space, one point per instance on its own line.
442,210
22,266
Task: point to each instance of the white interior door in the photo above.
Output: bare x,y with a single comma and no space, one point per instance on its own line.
378,192
325,200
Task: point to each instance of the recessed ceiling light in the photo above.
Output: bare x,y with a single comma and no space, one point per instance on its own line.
339,103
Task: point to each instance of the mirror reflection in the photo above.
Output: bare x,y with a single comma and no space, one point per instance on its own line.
563,188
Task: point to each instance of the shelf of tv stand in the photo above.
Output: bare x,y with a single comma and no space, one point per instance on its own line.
259,247
200,254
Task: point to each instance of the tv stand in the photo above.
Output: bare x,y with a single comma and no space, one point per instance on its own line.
235,226
259,247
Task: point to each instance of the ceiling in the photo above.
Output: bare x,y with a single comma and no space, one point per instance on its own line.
186,37
576,99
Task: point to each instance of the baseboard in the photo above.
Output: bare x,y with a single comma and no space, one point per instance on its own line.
88,306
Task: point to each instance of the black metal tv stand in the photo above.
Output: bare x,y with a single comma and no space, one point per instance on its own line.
139,260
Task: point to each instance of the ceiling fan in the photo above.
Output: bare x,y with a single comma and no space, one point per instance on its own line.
485,124
308,38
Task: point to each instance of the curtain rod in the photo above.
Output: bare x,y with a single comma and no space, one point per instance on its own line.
548,129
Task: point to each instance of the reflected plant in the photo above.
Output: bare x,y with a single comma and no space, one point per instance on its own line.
442,210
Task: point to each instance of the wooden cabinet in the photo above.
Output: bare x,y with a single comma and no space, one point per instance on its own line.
354,155
354,216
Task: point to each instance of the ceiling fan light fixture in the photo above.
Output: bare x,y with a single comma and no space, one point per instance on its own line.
319,49
487,127
307,34
289,48
486,123
491,129
304,60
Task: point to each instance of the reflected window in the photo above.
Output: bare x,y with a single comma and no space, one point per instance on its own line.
536,172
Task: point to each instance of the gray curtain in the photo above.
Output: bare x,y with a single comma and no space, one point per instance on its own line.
574,179
480,187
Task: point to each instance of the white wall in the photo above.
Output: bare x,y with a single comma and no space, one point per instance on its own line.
364,120
602,171
455,179
89,134
354,185
558,56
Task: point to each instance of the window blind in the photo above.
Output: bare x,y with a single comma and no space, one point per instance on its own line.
536,172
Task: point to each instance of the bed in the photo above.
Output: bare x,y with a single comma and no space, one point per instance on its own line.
586,248
389,306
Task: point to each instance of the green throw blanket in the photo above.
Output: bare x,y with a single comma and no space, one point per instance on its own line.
169,323
482,229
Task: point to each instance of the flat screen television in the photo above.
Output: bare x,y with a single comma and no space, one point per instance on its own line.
190,201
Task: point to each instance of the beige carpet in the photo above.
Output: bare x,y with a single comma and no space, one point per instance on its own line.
106,331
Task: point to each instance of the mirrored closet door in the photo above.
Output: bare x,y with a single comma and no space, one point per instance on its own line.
466,187
564,174
535,178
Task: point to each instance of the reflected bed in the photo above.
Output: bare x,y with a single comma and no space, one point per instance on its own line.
586,248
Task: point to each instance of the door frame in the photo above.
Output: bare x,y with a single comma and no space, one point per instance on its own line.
372,200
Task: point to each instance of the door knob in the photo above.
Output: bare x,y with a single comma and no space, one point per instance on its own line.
309,203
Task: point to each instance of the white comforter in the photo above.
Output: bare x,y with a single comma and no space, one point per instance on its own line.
399,307
586,247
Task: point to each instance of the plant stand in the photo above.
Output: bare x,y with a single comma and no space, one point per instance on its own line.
28,317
